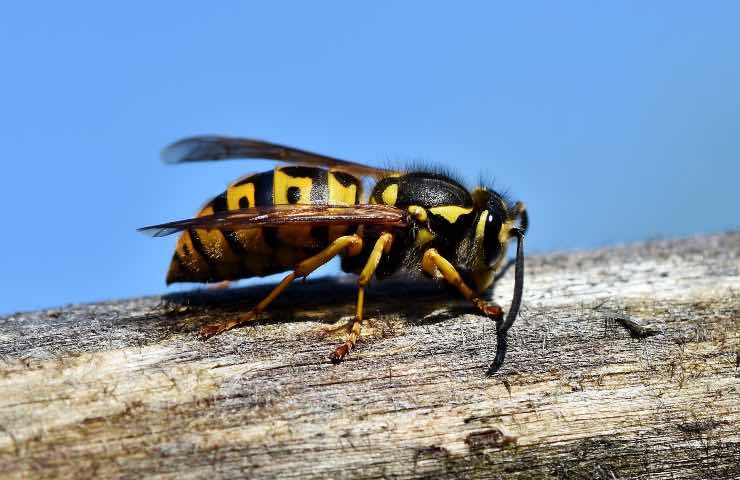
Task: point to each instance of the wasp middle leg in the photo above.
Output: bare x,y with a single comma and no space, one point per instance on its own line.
382,245
351,243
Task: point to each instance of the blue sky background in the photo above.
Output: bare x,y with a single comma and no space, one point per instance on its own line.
614,122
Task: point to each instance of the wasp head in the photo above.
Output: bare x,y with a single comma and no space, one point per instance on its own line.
494,227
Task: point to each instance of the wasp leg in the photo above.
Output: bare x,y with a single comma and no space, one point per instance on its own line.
353,246
382,245
433,263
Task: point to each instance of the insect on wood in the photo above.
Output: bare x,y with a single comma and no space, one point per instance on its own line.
298,217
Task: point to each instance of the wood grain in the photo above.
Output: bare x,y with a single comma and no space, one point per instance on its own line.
126,389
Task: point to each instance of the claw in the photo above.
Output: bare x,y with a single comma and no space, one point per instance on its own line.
339,353
209,331
213,329
492,311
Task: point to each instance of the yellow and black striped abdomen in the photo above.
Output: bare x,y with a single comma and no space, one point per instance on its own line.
215,255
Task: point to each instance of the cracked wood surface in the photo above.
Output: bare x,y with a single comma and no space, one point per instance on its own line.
126,389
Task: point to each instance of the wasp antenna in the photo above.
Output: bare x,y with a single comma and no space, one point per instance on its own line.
502,328
520,211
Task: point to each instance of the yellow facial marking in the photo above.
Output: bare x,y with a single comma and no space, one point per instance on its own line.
480,228
390,194
339,194
234,195
282,182
450,212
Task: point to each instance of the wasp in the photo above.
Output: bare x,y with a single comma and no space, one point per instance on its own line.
297,217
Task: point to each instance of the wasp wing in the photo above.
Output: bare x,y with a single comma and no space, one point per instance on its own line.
364,214
205,148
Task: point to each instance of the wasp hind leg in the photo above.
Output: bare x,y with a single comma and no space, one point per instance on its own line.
382,245
351,243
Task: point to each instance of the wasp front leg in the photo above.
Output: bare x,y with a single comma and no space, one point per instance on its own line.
382,245
434,264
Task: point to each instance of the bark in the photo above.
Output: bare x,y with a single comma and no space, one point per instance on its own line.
624,363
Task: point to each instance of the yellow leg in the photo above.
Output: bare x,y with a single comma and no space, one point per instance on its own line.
434,263
353,246
382,245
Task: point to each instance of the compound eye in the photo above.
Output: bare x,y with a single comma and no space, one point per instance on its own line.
491,242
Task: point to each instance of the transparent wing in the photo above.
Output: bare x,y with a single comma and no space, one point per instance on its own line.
207,148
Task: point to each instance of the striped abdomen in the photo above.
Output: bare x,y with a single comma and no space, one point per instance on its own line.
215,255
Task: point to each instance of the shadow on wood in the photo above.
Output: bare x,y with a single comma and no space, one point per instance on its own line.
325,300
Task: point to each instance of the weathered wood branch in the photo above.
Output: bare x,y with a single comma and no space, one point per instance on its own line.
127,389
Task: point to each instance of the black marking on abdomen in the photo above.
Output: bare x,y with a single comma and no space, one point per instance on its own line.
219,203
301,171
199,247
319,181
263,188
294,195
232,239
345,178
189,261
